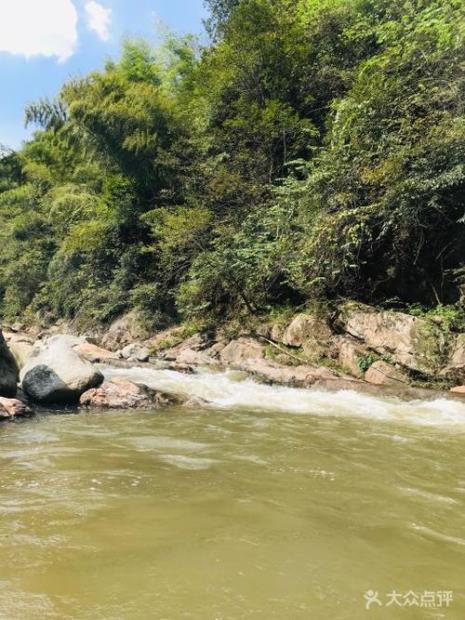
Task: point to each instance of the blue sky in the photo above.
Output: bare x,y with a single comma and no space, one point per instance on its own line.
44,42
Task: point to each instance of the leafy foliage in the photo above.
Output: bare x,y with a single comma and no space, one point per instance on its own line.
315,149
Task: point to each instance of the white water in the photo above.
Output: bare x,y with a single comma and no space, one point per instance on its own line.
226,391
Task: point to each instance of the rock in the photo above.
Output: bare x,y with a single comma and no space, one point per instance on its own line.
416,343
189,357
310,333
95,354
382,373
306,327
70,339
20,345
183,368
190,352
248,355
16,327
162,340
243,349
11,408
8,370
55,373
216,349
284,359
264,330
456,366
123,331
458,352
459,389
348,353
195,343
135,351
162,399
121,393
293,376
277,332
271,331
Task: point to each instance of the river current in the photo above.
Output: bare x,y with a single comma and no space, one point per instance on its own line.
262,502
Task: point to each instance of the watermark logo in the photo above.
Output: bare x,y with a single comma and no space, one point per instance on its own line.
427,599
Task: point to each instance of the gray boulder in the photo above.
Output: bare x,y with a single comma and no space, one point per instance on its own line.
8,370
56,373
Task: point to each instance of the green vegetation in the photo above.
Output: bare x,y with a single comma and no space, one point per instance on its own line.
364,362
315,150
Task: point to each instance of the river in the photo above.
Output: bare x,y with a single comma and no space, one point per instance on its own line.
262,503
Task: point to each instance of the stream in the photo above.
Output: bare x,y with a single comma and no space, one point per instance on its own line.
261,502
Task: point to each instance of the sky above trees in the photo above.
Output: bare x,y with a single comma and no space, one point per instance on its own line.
44,43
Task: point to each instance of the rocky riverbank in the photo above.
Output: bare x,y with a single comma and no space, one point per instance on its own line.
357,347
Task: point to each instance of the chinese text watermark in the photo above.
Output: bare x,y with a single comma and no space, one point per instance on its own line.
427,599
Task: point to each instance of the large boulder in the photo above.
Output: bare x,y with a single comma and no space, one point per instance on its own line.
121,393
8,370
56,373
415,343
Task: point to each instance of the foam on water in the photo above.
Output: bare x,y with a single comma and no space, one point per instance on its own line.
220,390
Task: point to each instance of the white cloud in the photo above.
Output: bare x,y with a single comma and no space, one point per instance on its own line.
98,19
38,28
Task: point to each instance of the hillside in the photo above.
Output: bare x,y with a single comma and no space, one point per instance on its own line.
314,151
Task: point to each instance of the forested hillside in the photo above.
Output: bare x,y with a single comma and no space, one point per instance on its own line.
314,150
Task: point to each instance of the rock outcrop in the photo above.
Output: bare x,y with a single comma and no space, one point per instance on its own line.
124,394
302,376
417,344
249,355
55,373
9,371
